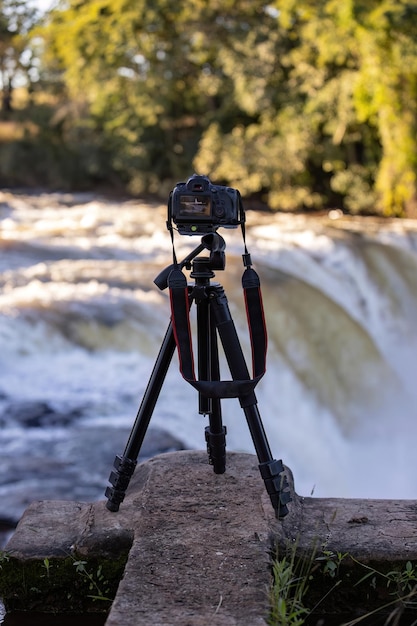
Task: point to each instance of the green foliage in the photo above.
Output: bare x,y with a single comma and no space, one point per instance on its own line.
47,565
402,583
303,104
331,562
386,93
291,578
4,558
294,575
64,584
98,586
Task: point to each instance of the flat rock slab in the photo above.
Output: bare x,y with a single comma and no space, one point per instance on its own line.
383,531
199,544
200,554
353,551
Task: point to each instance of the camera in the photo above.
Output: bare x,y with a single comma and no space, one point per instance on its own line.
198,207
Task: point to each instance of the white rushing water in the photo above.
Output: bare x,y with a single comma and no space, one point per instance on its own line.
81,323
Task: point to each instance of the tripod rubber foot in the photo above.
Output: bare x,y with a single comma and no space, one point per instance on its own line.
123,469
216,449
276,483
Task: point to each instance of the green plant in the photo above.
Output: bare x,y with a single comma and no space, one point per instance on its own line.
295,577
96,580
46,564
332,561
4,558
404,580
287,596
291,576
403,583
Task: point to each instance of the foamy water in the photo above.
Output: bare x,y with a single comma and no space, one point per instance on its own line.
81,323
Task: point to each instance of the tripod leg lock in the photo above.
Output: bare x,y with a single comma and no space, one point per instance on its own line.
216,449
276,483
123,469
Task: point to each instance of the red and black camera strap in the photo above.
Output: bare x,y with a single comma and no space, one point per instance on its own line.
181,300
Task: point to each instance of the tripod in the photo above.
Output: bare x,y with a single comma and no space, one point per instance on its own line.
213,320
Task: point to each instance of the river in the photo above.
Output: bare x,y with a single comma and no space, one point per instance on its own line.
81,322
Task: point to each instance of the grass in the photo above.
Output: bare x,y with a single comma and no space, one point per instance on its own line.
307,585
67,584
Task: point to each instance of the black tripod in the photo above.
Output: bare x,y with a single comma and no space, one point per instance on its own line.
213,317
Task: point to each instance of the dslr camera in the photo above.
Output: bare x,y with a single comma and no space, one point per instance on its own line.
198,207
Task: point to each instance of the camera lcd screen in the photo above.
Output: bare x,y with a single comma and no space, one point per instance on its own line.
195,206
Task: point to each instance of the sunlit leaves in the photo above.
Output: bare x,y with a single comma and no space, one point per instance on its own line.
303,102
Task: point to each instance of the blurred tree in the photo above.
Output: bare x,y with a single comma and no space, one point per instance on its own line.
302,103
337,107
386,94
144,72
16,21
307,134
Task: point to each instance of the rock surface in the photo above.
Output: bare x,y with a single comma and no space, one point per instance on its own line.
359,551
383,531
199,544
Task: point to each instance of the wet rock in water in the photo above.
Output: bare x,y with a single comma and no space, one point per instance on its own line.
32,414
158,441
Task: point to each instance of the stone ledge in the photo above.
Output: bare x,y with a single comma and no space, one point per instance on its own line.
366,540
199,544
369,530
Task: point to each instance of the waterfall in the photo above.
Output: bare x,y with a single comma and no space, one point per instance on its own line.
81,323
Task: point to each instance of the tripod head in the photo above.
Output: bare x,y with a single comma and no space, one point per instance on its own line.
217,259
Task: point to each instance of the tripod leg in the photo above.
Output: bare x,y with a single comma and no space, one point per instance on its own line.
272,471
208,369
124,465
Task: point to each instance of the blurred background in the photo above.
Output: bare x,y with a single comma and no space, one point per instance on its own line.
309,109
301,105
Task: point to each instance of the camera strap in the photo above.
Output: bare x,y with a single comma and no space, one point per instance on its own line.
180,307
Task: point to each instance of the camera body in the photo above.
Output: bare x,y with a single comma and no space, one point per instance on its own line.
198,207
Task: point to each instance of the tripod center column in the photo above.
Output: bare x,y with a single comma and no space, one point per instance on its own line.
202,271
